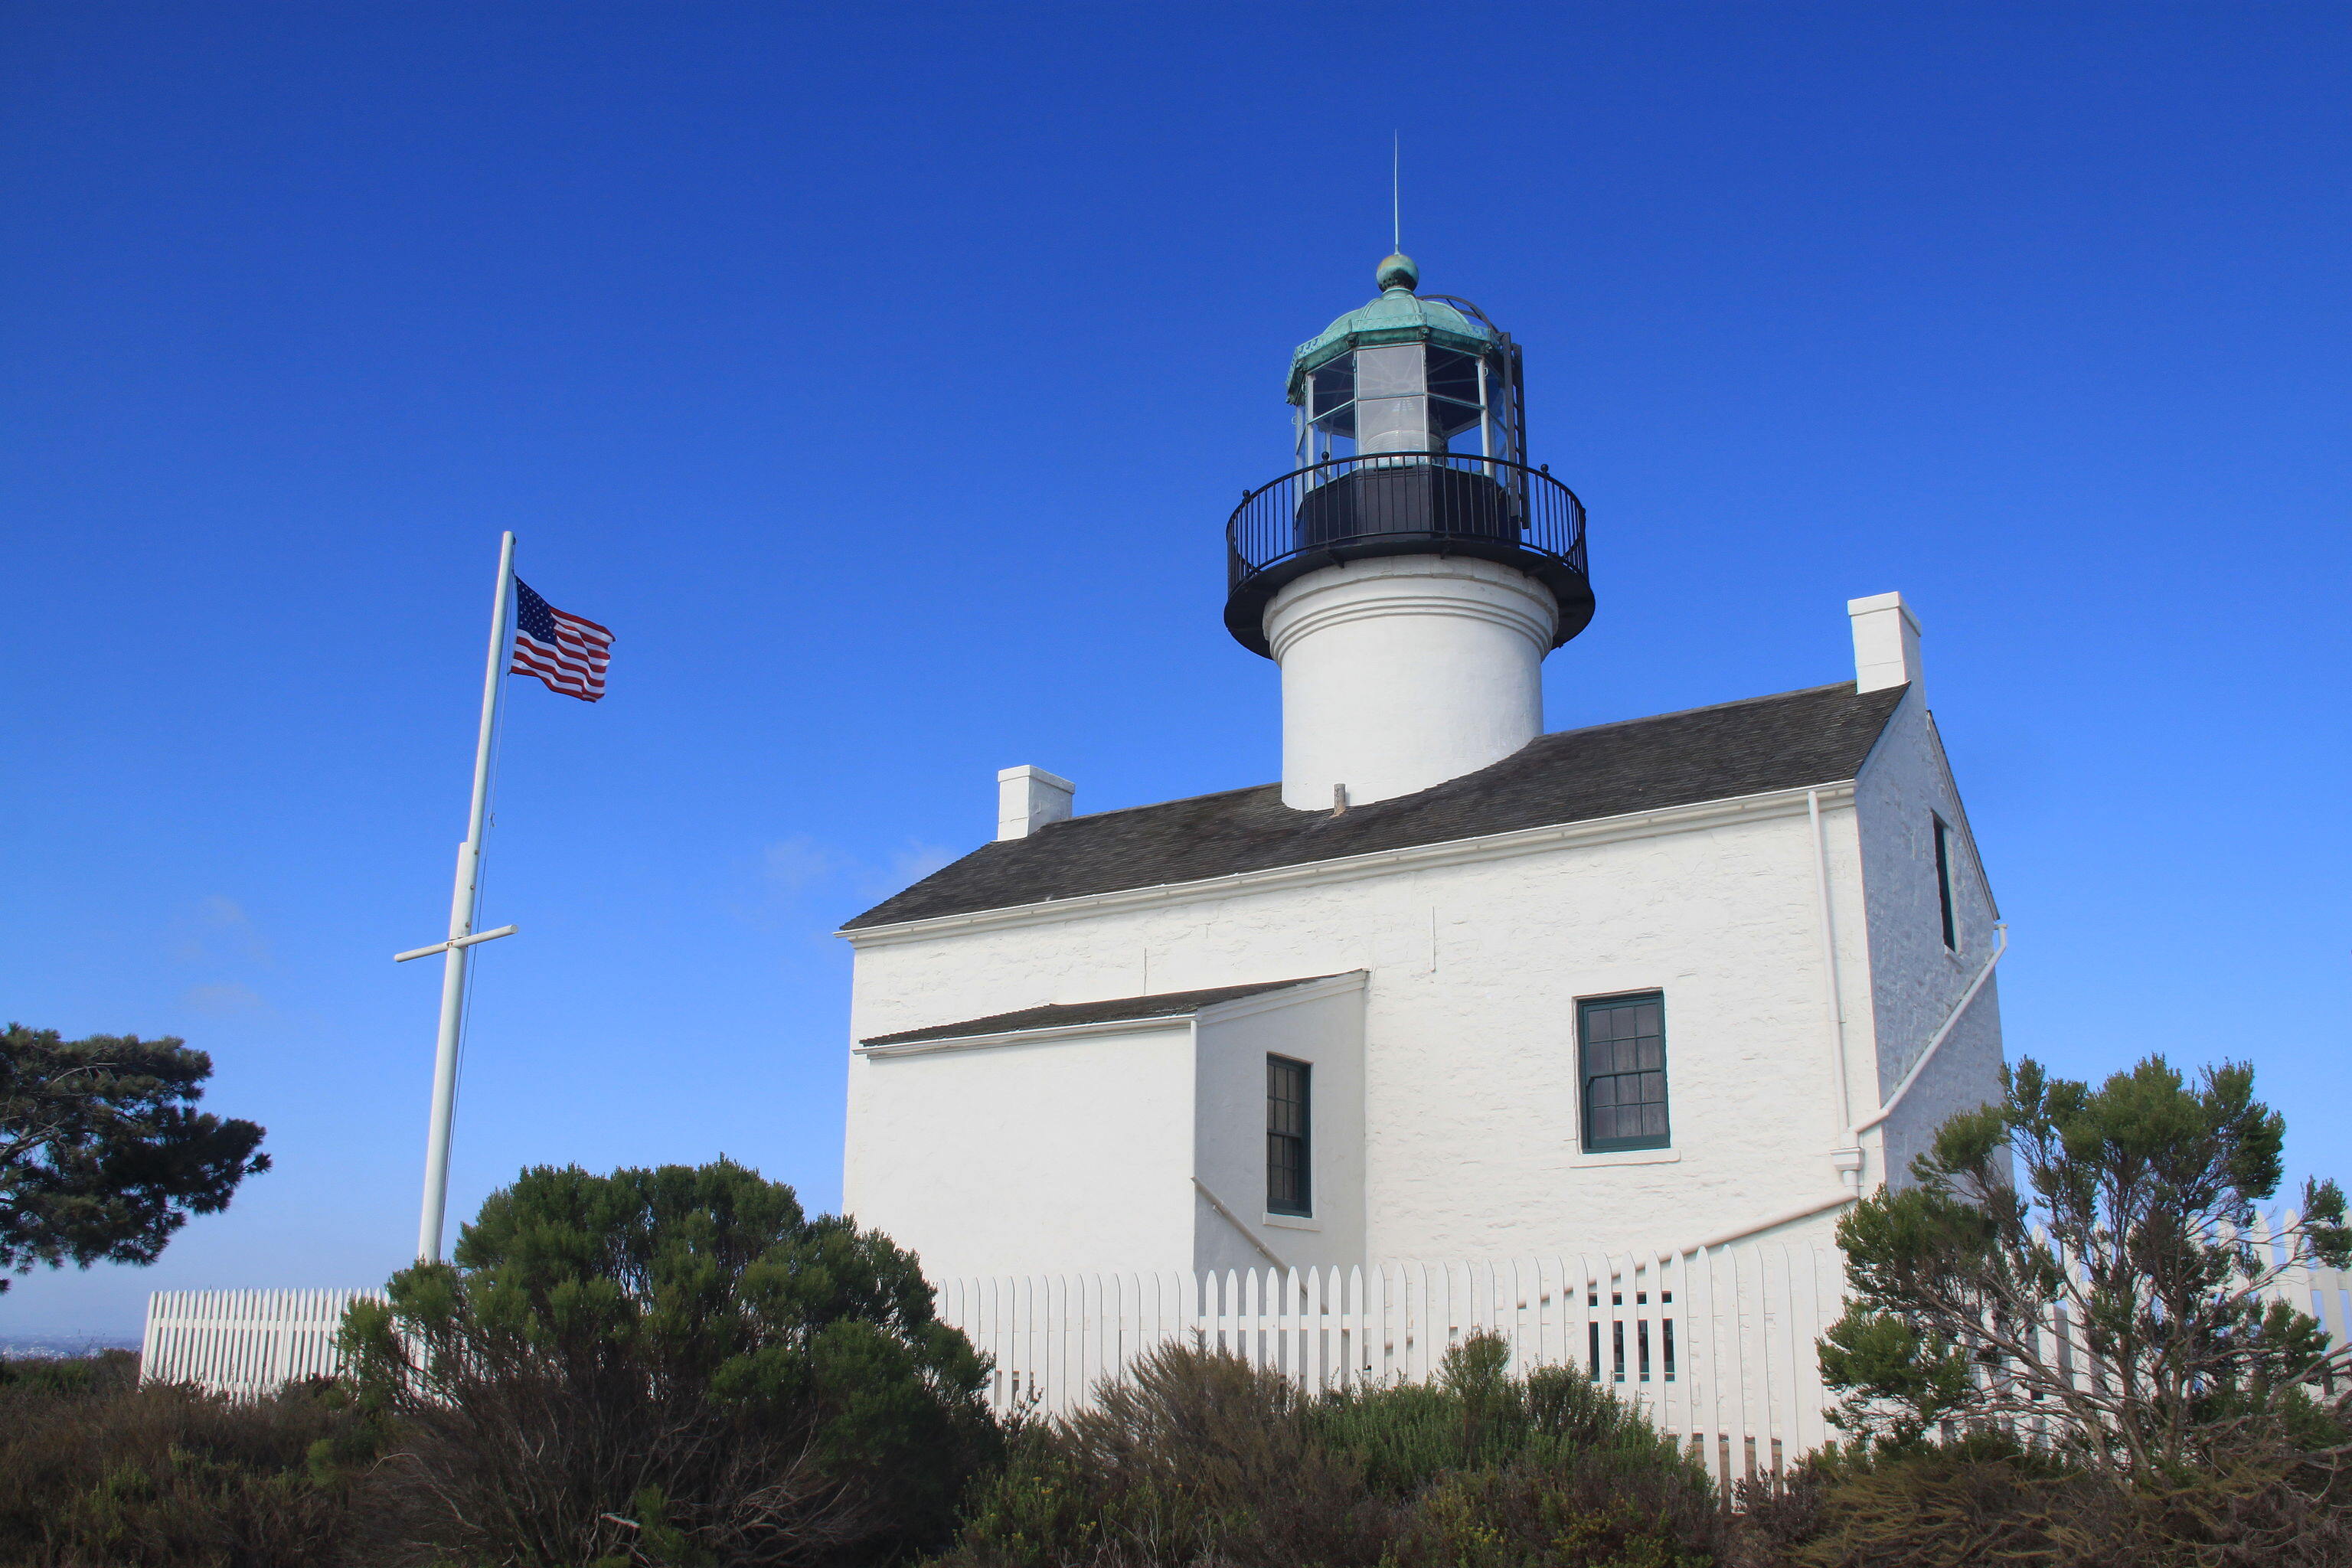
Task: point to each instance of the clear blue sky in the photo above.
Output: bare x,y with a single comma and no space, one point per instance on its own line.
883,376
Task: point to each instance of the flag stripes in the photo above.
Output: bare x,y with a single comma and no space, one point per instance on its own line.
567,653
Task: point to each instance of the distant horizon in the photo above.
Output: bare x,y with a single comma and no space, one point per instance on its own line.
884,383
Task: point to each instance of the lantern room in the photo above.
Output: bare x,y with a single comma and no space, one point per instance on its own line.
1406,374
1409,439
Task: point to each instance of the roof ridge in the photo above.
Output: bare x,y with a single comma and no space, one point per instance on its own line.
1844,686
1172,800
1547,735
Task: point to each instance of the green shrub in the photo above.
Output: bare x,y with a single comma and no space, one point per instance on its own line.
672,1366
97,1472
1475,1415
1982,1499
1197,1458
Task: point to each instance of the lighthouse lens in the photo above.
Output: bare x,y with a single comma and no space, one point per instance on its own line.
1392,411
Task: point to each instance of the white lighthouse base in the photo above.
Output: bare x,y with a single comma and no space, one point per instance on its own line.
1404,671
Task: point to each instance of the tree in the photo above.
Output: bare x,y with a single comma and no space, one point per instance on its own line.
103,1154
2090,1264
674,1362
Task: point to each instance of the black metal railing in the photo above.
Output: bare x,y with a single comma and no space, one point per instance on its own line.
1399,503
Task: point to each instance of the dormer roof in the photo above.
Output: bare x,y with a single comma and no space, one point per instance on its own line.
1793,740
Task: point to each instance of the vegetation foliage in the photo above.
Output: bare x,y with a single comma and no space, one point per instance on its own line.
103,1154
97,1472
2128,1216
1199,1459
2067,1342
2065,1347
669,1365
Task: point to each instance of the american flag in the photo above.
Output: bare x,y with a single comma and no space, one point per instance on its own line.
566,652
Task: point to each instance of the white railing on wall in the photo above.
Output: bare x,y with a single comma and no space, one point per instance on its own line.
1714,1347
244,1342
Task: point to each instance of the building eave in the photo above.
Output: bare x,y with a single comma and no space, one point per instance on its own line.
1693,818
1045,1036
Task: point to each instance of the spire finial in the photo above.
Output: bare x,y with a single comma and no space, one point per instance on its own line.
1398,270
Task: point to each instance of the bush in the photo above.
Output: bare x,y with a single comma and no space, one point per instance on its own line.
2189,1412
671,1365
1981,1498
97,1472
1198,1458
2128,1212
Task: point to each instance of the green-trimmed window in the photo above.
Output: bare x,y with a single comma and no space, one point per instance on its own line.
1289,1186
1622,1043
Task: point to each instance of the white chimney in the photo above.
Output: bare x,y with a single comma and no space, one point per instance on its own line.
1885,642
1030,798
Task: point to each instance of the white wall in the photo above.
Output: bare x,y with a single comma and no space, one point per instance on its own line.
1020,1158
1470,1097
1323,1027
1916,980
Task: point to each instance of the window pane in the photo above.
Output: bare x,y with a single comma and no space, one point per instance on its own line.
1335,383
1624,1050
1391,425
1287,1190
1391,371
1455,376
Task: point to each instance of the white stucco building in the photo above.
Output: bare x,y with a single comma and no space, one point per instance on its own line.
1453,986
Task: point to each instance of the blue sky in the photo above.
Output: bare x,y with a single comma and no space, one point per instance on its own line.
883,376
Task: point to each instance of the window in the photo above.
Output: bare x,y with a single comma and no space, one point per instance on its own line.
1623,1043
1288,1189
1944,882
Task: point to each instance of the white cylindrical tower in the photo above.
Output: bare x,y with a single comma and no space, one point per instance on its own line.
1404,671
1408,590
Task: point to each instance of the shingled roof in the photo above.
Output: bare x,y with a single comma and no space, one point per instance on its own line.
1798,737
1062,1015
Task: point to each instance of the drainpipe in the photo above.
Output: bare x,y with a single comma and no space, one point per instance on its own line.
1847,1160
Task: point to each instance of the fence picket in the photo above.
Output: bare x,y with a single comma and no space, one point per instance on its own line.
1742,1389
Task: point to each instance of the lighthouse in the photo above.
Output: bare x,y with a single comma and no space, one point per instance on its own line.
1413,570
1455,986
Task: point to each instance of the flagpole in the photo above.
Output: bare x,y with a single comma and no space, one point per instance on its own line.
464,900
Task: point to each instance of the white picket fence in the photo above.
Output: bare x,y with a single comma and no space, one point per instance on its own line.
1717,1348
244,1342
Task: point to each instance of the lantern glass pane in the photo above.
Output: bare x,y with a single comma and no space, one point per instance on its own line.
1391,371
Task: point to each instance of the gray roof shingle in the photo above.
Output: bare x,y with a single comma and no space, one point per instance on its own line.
1168,1004
1817,736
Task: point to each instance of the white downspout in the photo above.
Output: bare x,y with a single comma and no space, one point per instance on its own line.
1847,1159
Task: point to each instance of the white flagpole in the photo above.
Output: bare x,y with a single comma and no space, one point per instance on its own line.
463,900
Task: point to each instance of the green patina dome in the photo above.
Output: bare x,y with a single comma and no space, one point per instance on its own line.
1397,316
